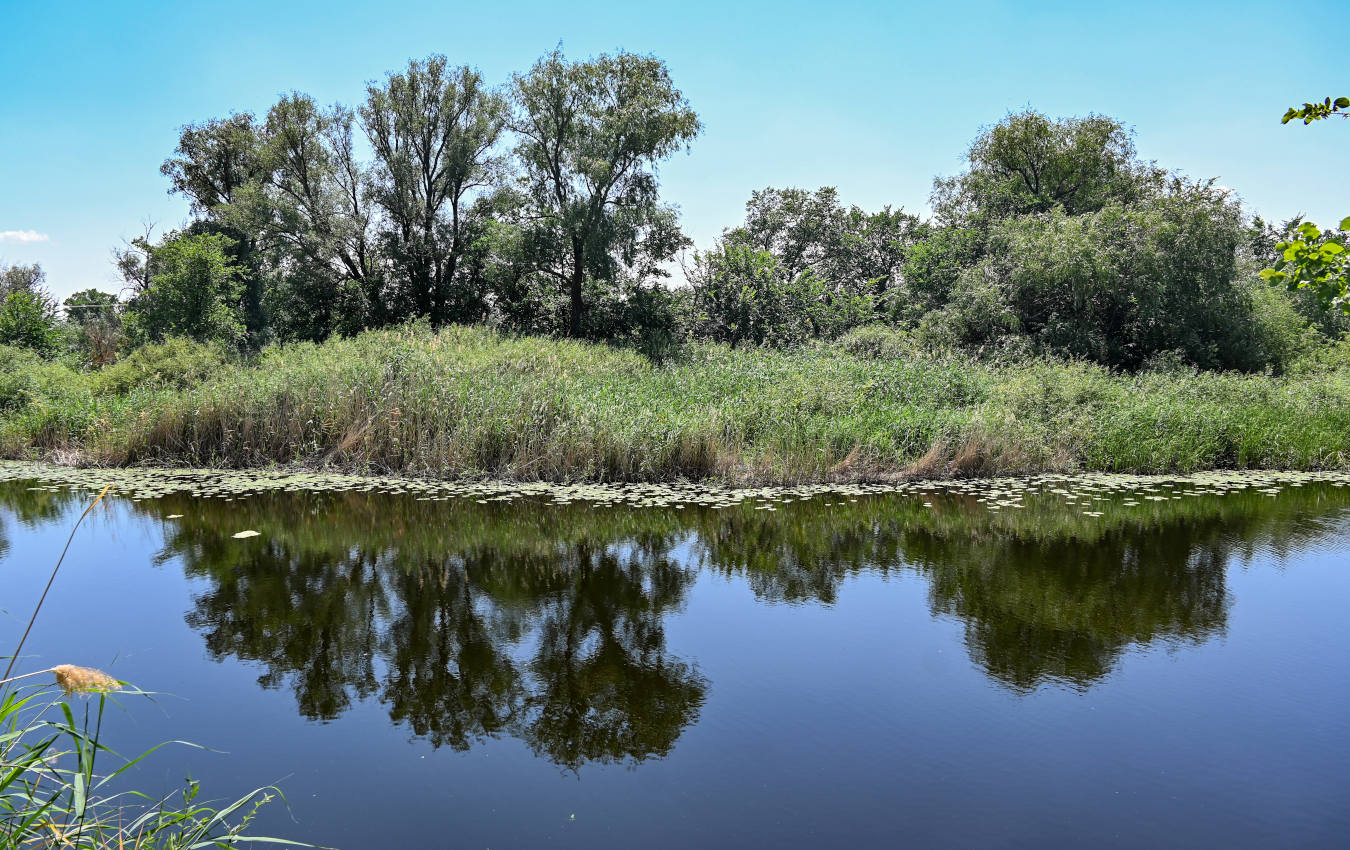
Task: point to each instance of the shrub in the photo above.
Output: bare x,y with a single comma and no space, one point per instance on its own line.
879,342
177,363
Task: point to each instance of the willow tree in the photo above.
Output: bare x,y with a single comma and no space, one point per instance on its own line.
433,129
590,135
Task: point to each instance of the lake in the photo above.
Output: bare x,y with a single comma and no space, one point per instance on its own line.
1090,661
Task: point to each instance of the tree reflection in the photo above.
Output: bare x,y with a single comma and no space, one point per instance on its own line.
547,623
559,643
1066,609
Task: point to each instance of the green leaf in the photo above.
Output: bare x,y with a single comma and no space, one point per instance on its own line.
1345,223
1342,102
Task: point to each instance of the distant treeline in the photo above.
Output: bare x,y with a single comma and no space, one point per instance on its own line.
534,207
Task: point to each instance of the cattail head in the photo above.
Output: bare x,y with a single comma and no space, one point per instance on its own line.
74,679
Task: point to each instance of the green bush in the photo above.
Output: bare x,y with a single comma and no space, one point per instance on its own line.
176,363
879,342
26,378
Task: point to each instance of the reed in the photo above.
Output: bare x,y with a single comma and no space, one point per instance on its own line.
468,402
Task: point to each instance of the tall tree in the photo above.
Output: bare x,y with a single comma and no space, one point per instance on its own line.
433,129
315,222
590,136
216,165
852,251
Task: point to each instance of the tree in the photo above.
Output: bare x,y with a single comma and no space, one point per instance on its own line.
1028,163
27,311
853,252
1310,258
94,317
590,135
27,320
314,223
218,164
745,295
194,291
433,129
1117,286
21,278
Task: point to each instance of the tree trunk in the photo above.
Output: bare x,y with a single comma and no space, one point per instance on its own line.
578,277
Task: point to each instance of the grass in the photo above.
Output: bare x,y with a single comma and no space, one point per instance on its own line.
467,402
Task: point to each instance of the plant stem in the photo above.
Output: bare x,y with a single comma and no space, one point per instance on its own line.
31,620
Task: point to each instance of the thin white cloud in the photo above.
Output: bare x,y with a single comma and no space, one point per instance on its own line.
23,236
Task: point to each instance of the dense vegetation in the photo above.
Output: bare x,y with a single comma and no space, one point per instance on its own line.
533,210
469,401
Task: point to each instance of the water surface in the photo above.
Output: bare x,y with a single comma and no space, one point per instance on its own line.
1048,663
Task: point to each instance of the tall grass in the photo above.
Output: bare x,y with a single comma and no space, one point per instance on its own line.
469,402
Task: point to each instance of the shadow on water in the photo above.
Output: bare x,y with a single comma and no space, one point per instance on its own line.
546,622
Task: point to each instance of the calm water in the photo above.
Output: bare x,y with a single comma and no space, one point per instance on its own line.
859,673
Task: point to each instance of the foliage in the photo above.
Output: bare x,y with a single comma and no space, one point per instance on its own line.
879,342
433,130
26,377
855,252
95,321
1316,261
1029,164
1310,112
193,291
52,793
28,320
589,135
1310,258
176,362
744,295
471,402
535,209
27,311
1109,286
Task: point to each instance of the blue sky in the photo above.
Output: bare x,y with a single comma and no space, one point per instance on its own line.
874,98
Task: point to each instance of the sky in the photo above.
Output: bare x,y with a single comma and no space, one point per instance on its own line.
873,98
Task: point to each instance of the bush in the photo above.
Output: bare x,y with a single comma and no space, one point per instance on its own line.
26,378
744,295
176,363
879,342
1124,284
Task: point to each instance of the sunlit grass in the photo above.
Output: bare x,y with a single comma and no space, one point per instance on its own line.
469,402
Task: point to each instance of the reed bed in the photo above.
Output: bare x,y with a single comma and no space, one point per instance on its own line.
467,402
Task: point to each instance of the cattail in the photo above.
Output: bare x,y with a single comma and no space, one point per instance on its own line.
74,679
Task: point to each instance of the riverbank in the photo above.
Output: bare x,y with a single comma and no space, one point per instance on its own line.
466,402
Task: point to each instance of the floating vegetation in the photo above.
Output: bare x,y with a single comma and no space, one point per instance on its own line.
1091,494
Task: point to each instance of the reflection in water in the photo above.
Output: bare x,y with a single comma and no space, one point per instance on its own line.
546,623
558,642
